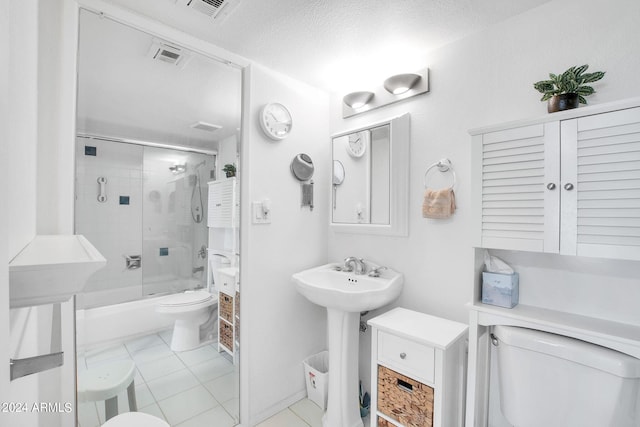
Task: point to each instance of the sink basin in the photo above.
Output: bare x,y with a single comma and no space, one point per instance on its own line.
345,295
328,287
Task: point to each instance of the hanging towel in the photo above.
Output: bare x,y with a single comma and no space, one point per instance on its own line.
438,203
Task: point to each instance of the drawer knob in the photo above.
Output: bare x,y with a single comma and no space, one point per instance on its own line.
403,355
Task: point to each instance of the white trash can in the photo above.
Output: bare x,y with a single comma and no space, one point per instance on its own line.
316,374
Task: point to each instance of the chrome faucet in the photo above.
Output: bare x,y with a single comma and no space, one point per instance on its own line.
351,263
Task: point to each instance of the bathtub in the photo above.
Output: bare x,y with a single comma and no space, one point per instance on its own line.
117,323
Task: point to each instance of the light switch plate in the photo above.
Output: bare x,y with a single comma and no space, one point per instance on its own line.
258,215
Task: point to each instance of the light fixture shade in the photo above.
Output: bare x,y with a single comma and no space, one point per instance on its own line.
357,100
401,83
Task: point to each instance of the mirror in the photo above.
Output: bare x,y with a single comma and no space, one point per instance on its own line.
302,167
338,178
370,165
158,133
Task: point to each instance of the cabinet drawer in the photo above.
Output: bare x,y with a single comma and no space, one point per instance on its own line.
404,399
411,357
228,285
225,335
225,307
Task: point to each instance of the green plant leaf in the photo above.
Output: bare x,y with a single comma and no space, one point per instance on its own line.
585,90
543,86
581,99
546,97
581,69
593,77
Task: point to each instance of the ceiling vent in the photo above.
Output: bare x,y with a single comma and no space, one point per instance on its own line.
170,54
216,9
206,126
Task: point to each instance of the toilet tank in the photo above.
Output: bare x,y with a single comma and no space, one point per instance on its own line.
556,381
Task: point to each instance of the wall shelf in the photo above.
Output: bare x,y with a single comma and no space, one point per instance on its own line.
618,336
51,269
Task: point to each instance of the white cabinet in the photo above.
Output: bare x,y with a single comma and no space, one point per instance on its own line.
223,204
568,186
417,370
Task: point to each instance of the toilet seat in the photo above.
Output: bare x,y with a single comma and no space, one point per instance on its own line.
135,419
187,301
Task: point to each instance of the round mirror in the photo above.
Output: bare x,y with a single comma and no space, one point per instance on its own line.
338,172
302,167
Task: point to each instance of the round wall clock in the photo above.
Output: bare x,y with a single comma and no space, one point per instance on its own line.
275,121
356,145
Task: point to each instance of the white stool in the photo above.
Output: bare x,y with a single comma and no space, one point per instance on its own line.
135,419
105,382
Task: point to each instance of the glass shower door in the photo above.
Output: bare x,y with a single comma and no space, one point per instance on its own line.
175,233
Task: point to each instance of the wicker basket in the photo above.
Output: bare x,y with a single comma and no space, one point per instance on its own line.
384,423
226,335
225,306
404,399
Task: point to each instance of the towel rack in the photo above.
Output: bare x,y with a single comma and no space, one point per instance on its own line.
443,165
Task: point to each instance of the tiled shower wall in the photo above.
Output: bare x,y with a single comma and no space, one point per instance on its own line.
147,212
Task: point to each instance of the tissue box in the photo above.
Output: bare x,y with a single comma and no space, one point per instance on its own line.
500,289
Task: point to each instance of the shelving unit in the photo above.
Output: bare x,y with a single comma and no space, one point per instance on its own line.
566,183
228,312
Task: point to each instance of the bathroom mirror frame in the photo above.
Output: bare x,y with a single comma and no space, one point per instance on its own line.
399,138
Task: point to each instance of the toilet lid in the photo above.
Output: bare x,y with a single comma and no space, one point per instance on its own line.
135,419
187,298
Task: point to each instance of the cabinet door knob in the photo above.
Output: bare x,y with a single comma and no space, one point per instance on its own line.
568,186
403,355
551,186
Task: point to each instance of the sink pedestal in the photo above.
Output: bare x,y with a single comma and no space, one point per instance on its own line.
343,406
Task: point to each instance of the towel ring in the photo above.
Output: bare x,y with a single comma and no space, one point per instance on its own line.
443,165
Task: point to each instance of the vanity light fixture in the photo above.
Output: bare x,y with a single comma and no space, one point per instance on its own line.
401,83
394,89
358,100
177,168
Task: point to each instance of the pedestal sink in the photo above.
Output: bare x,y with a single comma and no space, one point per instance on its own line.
345,295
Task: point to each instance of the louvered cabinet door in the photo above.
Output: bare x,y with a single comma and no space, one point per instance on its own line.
518,201
222,203
601,185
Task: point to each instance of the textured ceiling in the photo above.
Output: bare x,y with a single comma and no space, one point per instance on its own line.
124,93
334,44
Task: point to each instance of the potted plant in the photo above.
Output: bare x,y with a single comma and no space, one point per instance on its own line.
567,90
230,170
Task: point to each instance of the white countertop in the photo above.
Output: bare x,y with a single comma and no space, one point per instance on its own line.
420,327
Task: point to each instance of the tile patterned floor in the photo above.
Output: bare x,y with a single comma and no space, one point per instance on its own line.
195,388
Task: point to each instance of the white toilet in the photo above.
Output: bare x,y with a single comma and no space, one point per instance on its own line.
189,309
135,419
555,381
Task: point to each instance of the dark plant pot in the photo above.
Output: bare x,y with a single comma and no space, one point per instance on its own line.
230,174
564,101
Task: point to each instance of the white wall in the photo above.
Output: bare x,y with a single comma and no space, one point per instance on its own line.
5,108
485,79
284,328
32,170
